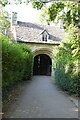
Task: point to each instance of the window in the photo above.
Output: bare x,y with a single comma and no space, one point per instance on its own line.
44,37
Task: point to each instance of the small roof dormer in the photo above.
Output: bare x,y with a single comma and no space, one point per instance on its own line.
45,35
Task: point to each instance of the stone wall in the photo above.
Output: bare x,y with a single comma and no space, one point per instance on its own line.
40,48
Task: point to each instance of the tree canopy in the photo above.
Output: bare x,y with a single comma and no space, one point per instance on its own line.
68,11
4,22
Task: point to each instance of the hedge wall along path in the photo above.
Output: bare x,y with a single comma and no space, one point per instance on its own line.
67,59
17,63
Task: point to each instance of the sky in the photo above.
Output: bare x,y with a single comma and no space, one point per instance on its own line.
25,12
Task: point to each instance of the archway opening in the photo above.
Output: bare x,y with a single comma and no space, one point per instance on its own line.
42,65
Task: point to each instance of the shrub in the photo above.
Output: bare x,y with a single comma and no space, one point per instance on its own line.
17,63
67,58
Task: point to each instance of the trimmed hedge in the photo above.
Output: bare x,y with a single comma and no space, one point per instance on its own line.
67,60
17,63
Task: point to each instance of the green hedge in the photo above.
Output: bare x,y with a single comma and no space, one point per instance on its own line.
67,60
17,63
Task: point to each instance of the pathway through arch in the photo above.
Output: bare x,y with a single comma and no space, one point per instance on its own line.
40,98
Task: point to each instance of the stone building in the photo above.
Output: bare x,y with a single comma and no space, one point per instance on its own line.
42,39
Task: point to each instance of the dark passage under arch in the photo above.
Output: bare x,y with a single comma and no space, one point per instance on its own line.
42,65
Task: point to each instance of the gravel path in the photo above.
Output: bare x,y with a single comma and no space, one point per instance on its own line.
40,98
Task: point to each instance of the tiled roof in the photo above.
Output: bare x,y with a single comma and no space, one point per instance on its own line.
29,32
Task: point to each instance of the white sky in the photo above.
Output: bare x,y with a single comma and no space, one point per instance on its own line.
25,12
